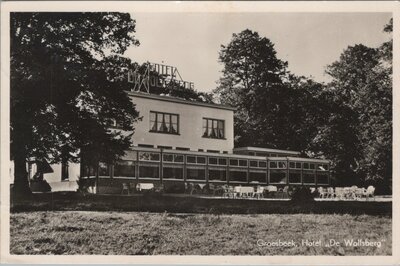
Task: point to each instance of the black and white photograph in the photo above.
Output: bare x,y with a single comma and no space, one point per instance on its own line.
227,130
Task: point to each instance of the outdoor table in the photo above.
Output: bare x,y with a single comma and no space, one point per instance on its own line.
145,186
245,191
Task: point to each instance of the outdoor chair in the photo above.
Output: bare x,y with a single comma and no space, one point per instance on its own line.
229,192
132,187
330,192
159,189
236,191
339,193
218,191
196,189
359,192
284,192
353,190
215,190
203,188
125,188
259,193
347,192
370,192
188,187
322,192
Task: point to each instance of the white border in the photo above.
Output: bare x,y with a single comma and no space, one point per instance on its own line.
178,6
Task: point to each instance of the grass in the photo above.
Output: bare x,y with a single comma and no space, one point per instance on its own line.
142,233
184,203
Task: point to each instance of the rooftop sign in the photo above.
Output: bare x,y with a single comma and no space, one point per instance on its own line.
156,76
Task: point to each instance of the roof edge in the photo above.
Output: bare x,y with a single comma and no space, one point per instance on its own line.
179,100
249,148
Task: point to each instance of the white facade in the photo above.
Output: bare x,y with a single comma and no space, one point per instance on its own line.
190,116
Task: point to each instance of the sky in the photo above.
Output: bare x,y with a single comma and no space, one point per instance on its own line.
307,41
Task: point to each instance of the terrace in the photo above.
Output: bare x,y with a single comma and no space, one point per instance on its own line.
175,170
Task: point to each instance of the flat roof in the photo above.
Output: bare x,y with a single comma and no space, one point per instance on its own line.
259,149
227,155
179,100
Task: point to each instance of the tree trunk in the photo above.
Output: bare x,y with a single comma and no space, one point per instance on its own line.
21,182
97,177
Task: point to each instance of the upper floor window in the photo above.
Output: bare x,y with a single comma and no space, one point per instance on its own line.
164,122
213,128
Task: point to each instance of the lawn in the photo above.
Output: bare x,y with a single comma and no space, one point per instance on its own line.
141,233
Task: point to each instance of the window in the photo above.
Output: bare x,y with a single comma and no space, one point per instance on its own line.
277,177
201,160
253,164
196,159
149,156
191,159
124,168
175,158
294,165
213,128
168,157
149,171
279,165
216,174
259,164
104,169
164,122
294,177
196,173
222,161
172,172
182,149
164,147
146,145
257,176
216,161
322,167
242,162
262,164
233,162
308,177
178,158
212,160
237,176
64,171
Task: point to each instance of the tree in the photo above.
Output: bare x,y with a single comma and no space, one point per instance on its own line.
62,101
357,134
269,100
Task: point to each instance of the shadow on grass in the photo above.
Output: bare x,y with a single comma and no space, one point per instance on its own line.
74,201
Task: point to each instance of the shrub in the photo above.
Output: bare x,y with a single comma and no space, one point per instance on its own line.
302,194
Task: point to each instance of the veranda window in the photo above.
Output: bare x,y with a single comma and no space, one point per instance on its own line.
217,174
124,169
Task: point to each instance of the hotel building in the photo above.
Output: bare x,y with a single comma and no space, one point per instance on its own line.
180,141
